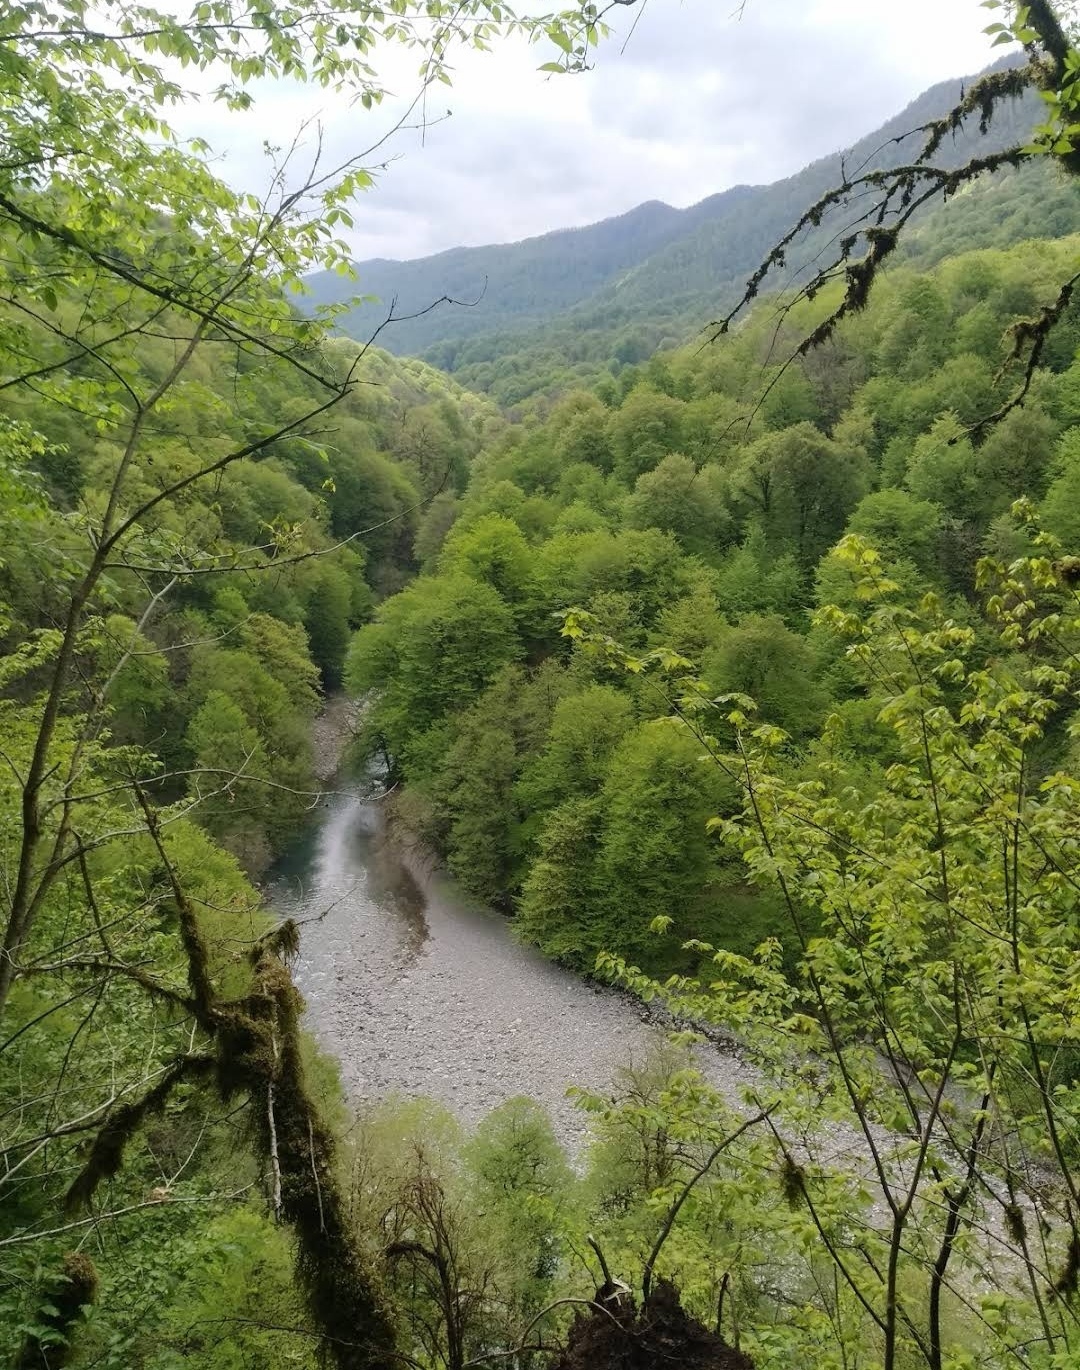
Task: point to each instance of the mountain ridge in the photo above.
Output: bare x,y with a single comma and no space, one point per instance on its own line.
655,270
603,249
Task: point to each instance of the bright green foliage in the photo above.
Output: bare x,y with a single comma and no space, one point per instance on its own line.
266,688
202,492
674,519
749,580
916,340
438,518
580,424
936,991
764,659
643,565
643,430
900,526
493,550
1015,458
433,647
185,463
520,1184
655,858
474,1230
139,691
693,623
613,861
943,469
90,1042
561,895
1061,508
231,770
327,617
586,727
476,791
240,1267
800,485
375,500
679,499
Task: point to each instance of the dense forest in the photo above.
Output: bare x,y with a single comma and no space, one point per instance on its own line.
581,302
680,512
738,672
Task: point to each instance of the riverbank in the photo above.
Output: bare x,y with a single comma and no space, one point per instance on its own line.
331,732
416,990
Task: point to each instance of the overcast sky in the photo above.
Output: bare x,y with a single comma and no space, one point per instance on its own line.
696,101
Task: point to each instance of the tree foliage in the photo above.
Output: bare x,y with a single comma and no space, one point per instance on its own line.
210,517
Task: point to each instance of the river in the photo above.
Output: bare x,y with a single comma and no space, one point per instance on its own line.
417,990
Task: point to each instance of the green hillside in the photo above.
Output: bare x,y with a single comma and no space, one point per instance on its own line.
579,876
517,283
678,509
627,323
610,294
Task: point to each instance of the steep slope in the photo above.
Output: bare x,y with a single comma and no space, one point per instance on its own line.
665,267
522,283
626,325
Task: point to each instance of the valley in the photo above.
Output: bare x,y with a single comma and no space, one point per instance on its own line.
415,718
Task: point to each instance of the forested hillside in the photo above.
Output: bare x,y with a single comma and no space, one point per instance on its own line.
742,676
821,611
678,511
280,560
674,296
582,302
516,283
220,625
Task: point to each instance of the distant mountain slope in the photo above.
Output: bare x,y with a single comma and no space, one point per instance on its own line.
524,282
627,325
618,289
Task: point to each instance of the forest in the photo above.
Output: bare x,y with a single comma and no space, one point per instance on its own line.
574,305
650,505
737,669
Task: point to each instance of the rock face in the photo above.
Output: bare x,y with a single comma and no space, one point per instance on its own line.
614,1335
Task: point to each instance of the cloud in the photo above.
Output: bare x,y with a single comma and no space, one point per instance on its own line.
698,100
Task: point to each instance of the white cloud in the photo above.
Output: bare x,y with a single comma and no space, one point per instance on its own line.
697,101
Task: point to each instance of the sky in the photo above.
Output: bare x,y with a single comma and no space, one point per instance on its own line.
695,99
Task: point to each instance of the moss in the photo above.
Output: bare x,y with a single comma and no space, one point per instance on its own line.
1068,1282
65,1297
282,941
793,1182
107,1152
258,1052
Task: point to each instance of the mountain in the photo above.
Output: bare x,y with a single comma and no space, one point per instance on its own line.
524,282
616,290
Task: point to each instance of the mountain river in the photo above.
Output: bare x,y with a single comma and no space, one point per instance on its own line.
416,990
419,991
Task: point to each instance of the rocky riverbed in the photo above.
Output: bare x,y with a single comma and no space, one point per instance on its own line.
331,734
417,991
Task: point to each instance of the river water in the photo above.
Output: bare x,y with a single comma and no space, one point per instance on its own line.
416,990
419,991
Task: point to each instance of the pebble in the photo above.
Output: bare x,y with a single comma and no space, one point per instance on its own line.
439,982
